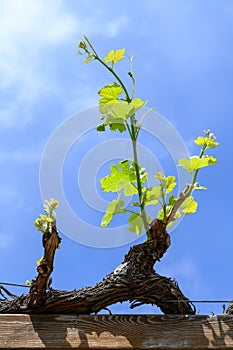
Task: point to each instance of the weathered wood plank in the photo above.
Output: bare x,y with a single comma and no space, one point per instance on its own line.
115,332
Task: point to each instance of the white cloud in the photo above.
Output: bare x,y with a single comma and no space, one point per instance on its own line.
28,29
188,275
32,33
114,26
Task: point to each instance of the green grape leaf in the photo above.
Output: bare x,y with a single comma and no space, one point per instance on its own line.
136,223
209,142
118,124
152,195
109,96
114,206
39,224
189,206
116,112
114,56
100,127
194,163
123,176
135,105
49,208
168,183
120,110
160,214
172,200
46,218
89,58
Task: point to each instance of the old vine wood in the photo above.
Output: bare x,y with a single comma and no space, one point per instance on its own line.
134,280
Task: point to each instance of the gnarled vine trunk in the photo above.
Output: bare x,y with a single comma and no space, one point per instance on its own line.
134,280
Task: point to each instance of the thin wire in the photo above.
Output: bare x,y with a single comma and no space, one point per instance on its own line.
166,301
14,284
197,301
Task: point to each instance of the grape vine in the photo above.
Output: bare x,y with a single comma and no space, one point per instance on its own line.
118,108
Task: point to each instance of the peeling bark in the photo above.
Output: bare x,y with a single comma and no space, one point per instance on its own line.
40,284
134,280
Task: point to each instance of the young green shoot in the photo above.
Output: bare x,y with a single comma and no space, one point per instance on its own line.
118,108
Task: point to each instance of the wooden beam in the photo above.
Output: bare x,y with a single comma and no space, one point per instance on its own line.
115,332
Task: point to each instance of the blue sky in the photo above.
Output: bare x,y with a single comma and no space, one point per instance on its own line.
183,67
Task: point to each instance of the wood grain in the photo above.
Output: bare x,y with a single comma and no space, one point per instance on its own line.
115,332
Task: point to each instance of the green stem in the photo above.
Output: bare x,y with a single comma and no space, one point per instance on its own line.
128,99
139,184
164,206
133,135
196,171
110,69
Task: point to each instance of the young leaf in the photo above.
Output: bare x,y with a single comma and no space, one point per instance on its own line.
194,163
39,224
123,176
109,97
152,195
100,127
114,56
49,208
43,222
210,143
116,112
136,223
135,105
172,200
114,206
89,58
189,206
160,214
118,124
168,183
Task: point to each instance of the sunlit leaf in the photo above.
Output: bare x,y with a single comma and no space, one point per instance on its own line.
114,56
114,206
210,143
46,218
89,58
123,177
50,206
160,214
166,182
39,224
172,200
101,127
152,195
109,96
189,206
117,125
194,163
136,223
